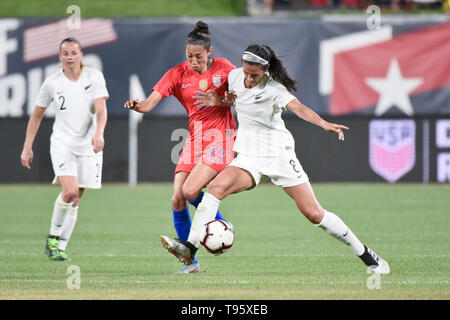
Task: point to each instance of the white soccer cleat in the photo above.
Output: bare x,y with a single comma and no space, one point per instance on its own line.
189,268
381,268
375,262
178,249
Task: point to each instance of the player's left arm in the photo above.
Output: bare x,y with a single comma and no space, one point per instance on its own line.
305,113
98,140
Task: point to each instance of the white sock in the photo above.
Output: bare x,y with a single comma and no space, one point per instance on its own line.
60,210
335,227
67,228
206,211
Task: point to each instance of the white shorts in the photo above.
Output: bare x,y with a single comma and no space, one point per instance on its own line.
284,170
87,169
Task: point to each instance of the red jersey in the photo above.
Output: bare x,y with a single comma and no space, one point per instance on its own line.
212,129
182,82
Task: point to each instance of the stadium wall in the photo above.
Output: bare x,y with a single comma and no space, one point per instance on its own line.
340,62
346,69
374,150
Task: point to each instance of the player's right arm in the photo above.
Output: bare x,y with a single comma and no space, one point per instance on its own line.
305,113
165,87
211,98
33,125
144,106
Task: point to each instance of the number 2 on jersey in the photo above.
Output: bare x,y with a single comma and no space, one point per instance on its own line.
63,101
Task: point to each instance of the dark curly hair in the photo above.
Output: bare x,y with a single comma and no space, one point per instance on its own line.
200,35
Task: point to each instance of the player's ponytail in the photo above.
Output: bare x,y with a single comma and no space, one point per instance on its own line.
200,35
271,63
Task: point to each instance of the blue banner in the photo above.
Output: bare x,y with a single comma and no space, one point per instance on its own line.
343,65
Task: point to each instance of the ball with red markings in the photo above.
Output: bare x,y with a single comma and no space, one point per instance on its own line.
217,236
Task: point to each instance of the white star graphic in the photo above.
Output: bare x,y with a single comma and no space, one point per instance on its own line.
394,90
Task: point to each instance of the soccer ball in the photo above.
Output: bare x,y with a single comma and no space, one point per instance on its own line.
217,236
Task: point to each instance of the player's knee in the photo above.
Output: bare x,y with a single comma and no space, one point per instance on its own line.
218,189
70,196
76,202
190,193
178,202
314,215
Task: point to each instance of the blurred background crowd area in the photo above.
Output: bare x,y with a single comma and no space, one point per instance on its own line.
269,7
180,8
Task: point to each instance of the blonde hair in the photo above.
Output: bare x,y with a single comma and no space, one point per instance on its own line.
72,40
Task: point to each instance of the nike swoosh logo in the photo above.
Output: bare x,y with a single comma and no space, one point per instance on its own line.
258,97
62,164
60,92
185,85
85,88
346,233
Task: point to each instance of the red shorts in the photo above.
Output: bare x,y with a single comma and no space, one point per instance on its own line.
214,151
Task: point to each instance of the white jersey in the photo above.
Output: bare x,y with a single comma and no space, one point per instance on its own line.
75,119
261,130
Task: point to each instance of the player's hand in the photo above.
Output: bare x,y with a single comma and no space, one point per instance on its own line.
98,142
26,158
228,98
206,99
336,128
133,104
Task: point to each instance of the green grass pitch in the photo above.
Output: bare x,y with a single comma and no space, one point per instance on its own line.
277,253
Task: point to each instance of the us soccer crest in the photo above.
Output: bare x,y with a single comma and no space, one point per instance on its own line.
217,80
203,84
392,150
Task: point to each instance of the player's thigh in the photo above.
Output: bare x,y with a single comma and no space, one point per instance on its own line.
198,178
65,168
178,199
80,192
69,187
306,201
231,180
178,180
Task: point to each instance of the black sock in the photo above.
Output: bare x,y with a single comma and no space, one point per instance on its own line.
368,258
192,248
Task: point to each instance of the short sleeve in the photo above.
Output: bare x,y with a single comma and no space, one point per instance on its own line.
100,87
232,78
282,96
167,84
45,95
227,68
